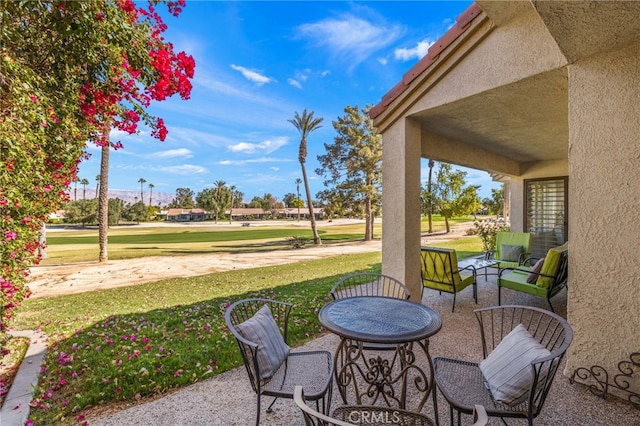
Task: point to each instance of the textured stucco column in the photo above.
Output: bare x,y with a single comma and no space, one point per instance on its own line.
401,204
604,206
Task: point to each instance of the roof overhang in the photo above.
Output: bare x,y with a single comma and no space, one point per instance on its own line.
524,119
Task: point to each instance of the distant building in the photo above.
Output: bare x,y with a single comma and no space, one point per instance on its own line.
187,215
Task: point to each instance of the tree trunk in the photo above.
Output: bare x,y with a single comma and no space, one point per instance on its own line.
368,233
446,224
103,205
316,237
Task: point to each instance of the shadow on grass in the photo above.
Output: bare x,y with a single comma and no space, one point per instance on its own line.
140,352
255,247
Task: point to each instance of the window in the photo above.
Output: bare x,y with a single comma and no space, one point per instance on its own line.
546,211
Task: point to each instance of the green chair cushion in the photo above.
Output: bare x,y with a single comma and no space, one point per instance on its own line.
522,239
550,266
463,281
517,280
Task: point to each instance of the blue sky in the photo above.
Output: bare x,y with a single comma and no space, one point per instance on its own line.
256,64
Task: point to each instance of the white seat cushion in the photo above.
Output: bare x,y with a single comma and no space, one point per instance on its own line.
507,370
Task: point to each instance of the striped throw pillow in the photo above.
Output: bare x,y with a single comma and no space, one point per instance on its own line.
507,370
262,330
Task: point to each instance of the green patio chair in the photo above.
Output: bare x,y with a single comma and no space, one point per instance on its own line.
512,249
544,279
440,271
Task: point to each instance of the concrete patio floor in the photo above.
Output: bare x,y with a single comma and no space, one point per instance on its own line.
227,399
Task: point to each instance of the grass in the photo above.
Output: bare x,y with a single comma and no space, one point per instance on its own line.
132,242
13,352
130,343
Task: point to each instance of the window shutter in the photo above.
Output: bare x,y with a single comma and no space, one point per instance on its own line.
546,213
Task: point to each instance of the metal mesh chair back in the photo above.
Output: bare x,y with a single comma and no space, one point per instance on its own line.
369,284
549,329
348,415
440,265
312,369
241,311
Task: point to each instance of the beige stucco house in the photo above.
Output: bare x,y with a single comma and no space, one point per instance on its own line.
544,95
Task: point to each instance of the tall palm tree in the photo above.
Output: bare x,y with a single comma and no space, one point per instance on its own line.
84,183
75,188
142,181
221,189
236,200
298,182
103,204
97,185
233,191
307,123
151,186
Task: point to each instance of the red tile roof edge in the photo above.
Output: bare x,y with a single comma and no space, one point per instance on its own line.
462,24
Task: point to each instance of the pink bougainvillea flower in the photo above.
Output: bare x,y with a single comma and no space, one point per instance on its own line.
64,359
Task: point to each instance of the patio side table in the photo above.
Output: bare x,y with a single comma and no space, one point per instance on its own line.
381,376
479,263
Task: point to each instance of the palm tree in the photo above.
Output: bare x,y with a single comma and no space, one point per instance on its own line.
305,125
103,205
97,185
298,182
233,191
236,199
142,182
151,186
222,192
84,183
75,188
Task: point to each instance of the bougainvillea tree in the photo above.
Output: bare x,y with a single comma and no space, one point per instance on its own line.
70,72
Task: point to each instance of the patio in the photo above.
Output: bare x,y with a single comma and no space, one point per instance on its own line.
227,399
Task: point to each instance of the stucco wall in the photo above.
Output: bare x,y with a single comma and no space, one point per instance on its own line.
604,205
401,204
523,34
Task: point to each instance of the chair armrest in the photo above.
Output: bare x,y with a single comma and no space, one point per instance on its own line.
526,271
523,258
480,417
298,398
469,267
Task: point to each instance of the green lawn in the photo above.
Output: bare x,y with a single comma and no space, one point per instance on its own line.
128,343
131,242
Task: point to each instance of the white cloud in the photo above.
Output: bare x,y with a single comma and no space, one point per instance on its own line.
172,153
294,83
185,169
275,169
417,52
251,75
254,161
350,38
383,61
267,146
325,73
303,75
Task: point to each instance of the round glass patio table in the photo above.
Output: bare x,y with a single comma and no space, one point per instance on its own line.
389,374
